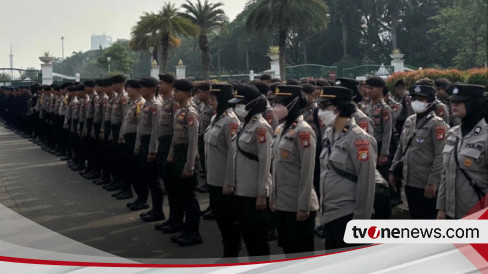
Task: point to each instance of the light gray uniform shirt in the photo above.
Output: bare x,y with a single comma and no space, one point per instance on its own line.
148,124
456,196
185,127
293,165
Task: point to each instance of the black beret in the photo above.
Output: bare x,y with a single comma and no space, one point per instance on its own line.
308,88
204,86
99,82
322,83
375,81
262,87
72,88
348,83
442,83
133,84
56,88
463,92
425,82
117,79
422,90
183,85
168,78
46,87
335,93
80,87
106,82
265,77
245,92
400,83
89,83
293,82
276,80
67,84
149,82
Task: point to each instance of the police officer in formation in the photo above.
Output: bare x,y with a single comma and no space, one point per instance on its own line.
292,195
420,153
127,135
464,181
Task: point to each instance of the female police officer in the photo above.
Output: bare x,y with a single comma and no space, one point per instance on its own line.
252,169
219,156
348,162
292,195
464,180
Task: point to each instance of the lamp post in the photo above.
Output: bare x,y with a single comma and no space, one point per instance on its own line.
217,30
151,50
62,46
108,59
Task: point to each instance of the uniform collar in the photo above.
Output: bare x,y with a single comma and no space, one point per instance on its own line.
477,130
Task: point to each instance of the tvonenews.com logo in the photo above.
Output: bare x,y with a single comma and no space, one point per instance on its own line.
416,231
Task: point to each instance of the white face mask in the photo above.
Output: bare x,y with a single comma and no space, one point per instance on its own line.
418,106
240,110
327,117
280,111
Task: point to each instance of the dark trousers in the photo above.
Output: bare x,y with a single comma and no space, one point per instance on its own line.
334,233
150,177
419,206
131,165
166,172
201,152
384,169
117,154
106,152
295,236
254,226
224,210
186,203
97,147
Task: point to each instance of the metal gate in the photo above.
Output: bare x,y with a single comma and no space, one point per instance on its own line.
19,77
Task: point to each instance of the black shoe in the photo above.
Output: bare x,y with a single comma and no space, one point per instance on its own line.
133,203
176,237
208,215
396,202
118,193
319,231
190,239
124,196
202,189
202,212
63,158
138,206
163,224
152,216
111,187
102,182
172,228
78,167
93,175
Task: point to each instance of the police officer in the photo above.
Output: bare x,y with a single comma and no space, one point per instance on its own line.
268,113
442,86
292,195
219,154
405,102
420,150
182,155
252,169
87,130
146,147
205,114
348,166
382,118
106,101
441,109
165,136
465,175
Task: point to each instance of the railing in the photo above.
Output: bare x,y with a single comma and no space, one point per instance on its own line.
366,70
309,71
14,76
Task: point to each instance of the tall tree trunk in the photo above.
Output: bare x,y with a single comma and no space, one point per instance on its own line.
282,45
305,61
203,44
344,36
164,53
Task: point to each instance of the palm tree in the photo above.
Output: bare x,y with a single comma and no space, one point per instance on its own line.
207,16
285,17
161,30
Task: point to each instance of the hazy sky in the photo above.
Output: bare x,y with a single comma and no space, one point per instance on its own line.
36,26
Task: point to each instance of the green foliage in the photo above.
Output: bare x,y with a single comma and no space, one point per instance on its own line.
122,58
5,76
31,73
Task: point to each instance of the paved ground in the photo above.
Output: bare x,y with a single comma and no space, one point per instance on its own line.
43,189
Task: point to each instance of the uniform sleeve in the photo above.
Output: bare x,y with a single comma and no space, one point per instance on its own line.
387,120
438,133
193,126
153,141
137,145
230,135
263,141
364,161
306,147
399,151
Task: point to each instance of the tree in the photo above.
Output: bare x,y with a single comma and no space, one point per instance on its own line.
121,58
462,28
285,17
206,16
5,77
161,31
31,73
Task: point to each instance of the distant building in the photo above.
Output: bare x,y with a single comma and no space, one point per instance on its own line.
102,40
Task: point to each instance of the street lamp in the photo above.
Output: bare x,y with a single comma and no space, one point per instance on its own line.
151,50
217,31
62,46
108,59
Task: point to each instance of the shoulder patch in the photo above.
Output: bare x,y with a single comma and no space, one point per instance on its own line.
233,127
440,110
190,119
386,115
362,147
154,109
269,117
261,134
440,133
304,139
364,125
